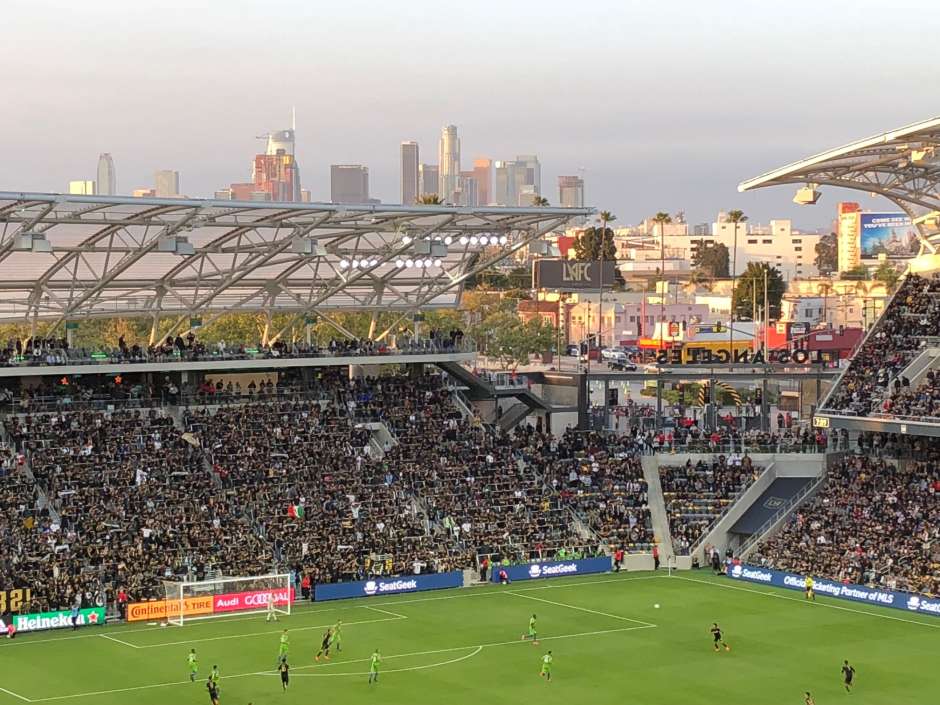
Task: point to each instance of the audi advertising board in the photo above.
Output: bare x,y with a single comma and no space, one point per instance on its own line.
572,275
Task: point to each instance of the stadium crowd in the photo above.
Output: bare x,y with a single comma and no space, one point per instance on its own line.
875,523
901,332
698,494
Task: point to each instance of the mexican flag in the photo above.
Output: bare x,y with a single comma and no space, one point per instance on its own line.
296,511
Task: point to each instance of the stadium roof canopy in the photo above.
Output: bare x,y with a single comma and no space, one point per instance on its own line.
65,257
902,165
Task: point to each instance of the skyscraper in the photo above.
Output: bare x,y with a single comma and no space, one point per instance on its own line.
409,173
166,183
570,192
428,180
530,173
82,188
107,178
483,174
468,191
275,175
504,183
349,183
449,163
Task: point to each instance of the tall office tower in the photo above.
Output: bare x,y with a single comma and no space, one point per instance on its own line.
483,174
570,192
449,163
409,173
530,172
468,191
349,183
275,175
428,180
166,183
107,178
505,187
82,188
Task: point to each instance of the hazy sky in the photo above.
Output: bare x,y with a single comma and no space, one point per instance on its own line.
667,104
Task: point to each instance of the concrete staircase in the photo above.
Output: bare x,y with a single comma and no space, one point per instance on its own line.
657,505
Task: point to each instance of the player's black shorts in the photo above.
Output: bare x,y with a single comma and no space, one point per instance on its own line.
717,637
325,646
848,680
285,677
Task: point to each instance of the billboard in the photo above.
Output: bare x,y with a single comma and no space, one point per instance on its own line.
156,610
254,600
59,619
552,569
845,591
387,586
572,275
889,234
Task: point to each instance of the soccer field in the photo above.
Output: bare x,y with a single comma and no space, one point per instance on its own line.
463,647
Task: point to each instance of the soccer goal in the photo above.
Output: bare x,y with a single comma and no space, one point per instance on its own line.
221,597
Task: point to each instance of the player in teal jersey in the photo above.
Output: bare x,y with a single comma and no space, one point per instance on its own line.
193,665
532,634
374,667
546,671
283,648
337,638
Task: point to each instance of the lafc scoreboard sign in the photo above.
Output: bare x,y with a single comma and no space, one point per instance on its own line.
573,275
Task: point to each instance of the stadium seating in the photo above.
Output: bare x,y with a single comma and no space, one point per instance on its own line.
874,523
906,327
698,494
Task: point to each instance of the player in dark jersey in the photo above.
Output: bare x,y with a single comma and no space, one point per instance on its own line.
325,645
213,692
285,675
716,634
848,673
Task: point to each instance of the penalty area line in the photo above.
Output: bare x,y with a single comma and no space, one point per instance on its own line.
476,650
119,641
16,695
581,609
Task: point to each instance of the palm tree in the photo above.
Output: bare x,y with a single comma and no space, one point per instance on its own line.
606,217
540,201
430,199
737,217
662,218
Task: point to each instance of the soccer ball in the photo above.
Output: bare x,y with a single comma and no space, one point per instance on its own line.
656,606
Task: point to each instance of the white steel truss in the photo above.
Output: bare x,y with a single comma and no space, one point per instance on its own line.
109,255
902,165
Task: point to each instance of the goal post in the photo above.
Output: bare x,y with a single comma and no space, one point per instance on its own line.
222,597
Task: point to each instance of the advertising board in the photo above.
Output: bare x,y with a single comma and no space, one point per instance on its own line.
890,234
552,569
387,586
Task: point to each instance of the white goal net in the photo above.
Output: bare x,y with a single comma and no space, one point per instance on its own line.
207,599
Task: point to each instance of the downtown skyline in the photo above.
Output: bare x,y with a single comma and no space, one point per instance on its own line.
672,119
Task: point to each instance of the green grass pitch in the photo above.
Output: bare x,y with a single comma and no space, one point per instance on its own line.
463,647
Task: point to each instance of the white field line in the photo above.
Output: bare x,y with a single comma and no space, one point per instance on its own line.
581,609
298,613
15,695
475,651
119,641
333,663
265,633
806,602
381,611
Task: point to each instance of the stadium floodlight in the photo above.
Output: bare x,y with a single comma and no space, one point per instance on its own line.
245,595
438,263
409,263
464,239
503,239
484,240
32,242
807,195
474,240
399,263
428,262
448,240
343,264
406,239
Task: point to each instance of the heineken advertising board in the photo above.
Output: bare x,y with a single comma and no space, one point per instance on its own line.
53,620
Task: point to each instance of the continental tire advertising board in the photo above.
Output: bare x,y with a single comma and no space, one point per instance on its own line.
572,275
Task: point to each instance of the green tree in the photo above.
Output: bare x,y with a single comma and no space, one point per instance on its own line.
857,273
827,254
504,336
430,199
751,284
887,274
540,201
711,260
587,246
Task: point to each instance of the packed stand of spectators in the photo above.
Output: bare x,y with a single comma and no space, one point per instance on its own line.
899,335
922,401
129,494
56,351
873,524
689,437
601,477
698,494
